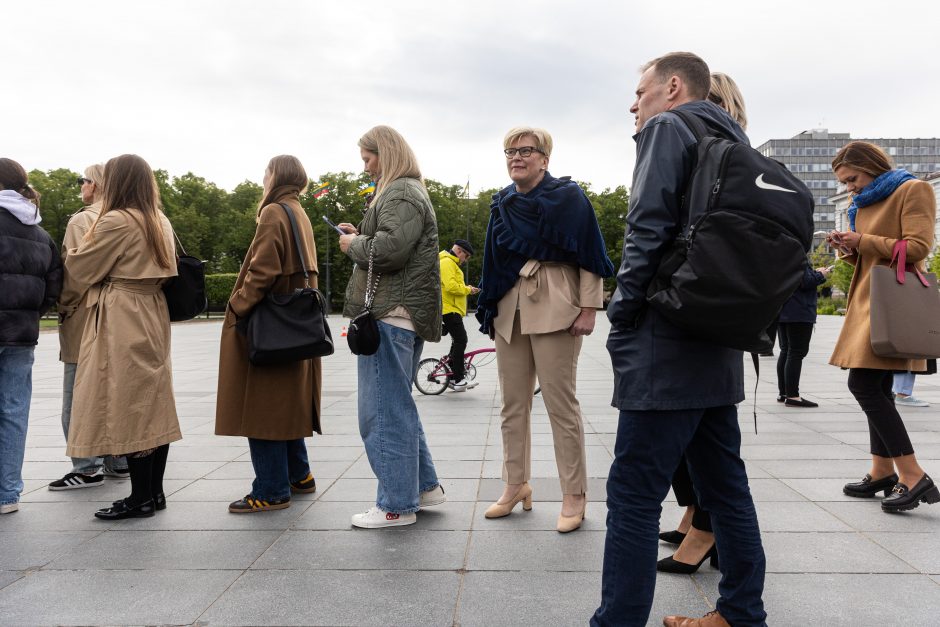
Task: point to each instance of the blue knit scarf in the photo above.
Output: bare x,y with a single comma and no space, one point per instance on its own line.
553,222
877,190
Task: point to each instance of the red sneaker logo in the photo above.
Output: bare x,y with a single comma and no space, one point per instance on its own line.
390,516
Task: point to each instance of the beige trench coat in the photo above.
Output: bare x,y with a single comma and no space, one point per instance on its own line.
909,214
71,328
123,398
268,402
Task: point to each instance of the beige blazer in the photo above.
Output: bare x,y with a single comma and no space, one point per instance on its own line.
123,399
70,329
549,296
909,214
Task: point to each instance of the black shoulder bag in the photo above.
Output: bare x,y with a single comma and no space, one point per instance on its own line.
186,292
285,328
363,332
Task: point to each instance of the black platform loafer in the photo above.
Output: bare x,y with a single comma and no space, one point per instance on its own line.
672,537
799,402
121,509
866,488
902,499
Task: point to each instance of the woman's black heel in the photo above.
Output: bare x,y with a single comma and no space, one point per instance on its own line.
670,565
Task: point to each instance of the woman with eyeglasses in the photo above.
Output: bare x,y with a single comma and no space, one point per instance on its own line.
123,401
543,268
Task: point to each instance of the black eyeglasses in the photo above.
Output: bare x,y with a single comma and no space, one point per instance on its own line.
524,151
82,181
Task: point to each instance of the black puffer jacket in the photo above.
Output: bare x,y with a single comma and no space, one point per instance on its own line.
30,279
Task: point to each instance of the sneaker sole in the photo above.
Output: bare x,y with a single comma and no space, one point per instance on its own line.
303,490
440,501
110,476
76,487
385,524
9,509
258,509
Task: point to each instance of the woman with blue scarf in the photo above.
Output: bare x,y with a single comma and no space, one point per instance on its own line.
888,205
543,268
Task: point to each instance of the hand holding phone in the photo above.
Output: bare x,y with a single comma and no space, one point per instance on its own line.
333,226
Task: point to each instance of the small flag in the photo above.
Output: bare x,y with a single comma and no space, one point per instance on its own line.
321,190
466,190
368,189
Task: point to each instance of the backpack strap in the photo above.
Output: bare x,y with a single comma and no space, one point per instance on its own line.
695,124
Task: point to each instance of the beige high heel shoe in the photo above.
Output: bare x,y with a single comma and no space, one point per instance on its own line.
567,524
498,510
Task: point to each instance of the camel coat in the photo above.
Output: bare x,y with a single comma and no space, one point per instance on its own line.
268,402
123,396
70,329
909,214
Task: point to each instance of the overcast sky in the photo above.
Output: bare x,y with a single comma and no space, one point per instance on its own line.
218,87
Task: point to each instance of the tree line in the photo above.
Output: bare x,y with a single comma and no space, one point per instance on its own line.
218,225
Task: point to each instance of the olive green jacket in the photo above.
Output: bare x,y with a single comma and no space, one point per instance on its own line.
403,227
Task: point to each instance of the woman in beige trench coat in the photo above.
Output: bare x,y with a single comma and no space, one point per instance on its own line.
123,397
275,407
888,205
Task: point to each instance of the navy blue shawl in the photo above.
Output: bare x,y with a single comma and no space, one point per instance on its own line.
553,222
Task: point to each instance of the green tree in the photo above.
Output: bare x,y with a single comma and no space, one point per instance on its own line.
60,198
841,277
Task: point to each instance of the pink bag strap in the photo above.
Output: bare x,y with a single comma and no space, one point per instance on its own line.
899,256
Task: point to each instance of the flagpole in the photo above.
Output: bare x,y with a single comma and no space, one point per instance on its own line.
467,196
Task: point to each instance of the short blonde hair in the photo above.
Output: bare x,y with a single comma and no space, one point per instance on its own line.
543,141
396,157
724,92
95,174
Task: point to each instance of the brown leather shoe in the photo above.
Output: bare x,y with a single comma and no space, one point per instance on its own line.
712,619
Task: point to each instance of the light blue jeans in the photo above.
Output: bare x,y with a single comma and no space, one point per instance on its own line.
903,383
83,465
16,390
389,423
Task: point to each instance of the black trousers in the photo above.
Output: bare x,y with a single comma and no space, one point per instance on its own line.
886,430
453,322
793,338
685,495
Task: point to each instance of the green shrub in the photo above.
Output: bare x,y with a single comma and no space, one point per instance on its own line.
218,289
829,306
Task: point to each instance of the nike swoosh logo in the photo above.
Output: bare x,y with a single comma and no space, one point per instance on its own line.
759,181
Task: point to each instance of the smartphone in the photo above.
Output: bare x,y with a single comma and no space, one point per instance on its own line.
334,227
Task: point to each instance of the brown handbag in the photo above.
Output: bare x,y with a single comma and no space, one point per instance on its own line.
905,309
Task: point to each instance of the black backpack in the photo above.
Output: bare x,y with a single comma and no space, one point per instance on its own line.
747,226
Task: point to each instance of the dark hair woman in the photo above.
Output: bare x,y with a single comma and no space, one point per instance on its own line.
123,400
888,205
275,407
31,275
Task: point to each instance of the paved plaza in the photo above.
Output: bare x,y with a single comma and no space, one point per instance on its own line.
831,560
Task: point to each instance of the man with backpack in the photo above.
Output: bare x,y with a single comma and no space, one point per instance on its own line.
675,391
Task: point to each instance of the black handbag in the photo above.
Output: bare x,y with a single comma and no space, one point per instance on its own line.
363,332
186,292
285,328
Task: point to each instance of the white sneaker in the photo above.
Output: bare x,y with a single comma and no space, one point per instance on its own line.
910,401
460,386
472,384
376,518
9,508
432,497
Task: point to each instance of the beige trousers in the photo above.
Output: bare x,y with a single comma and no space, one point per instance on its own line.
553,357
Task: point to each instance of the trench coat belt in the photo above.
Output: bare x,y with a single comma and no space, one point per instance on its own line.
533,278
125,285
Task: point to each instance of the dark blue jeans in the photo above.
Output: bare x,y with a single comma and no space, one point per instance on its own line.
649,446
277,463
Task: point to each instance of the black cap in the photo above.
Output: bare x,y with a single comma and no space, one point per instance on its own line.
464,244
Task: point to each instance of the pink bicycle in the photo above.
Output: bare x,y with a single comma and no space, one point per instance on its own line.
433,374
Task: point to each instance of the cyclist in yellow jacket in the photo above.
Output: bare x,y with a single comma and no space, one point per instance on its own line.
454,295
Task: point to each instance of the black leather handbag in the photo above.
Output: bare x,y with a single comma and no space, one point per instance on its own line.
284,328
186,292
363,332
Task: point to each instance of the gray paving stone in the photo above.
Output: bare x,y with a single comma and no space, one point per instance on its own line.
828,553
366,549
22,550
337,597
167,550
8,576
228,490
772,490
543,489
542,517
324,515
535,550
107,492
365,489
55,516
171,597
920,550
866,515
823,489
797,516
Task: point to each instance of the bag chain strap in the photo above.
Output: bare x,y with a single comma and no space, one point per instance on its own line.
370,286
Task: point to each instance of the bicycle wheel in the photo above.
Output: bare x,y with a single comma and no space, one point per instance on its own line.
431,376
470,371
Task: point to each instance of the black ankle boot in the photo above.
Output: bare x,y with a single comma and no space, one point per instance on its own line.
866,488
902,499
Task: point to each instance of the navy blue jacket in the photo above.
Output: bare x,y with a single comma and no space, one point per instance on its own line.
656,365
30,279
802,305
